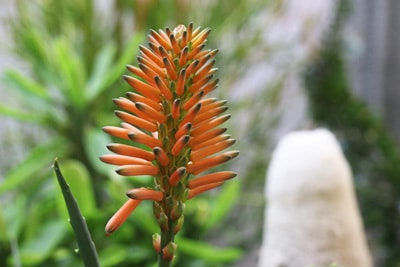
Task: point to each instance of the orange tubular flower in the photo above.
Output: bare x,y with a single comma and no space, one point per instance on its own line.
179,128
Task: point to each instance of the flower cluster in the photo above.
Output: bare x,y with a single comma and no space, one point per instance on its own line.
168,113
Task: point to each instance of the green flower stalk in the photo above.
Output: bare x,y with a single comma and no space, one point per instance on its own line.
168,113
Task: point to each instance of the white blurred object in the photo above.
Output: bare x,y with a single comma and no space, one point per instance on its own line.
312,217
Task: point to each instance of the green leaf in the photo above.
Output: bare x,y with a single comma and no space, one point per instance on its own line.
38,158
28,86
10,218
71,71
207,252
21,115
37,249
31,95
106,73
79,181
223,203
86,246
99,80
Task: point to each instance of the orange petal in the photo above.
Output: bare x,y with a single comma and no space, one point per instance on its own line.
180,84
210,142
198,85
206,136
150,70
209,87
123,160
133,170
150,112
208,163
209,124
151,55
198,190
204,71
136,121
197,155
177,176
125,104
162,41
201,37
184,40
163,88
170,69
165,55
191,114
211,178
143,88
213,104
139,98
193,100
153,44
205,54
144,139
161,156
174,44
191,68
184,129
145,194
137,71
117,131
131,151
195,51
208,114
190,31
183,56
176,108
121,215
179,145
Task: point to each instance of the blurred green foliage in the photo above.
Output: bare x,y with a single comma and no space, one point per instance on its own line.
73,60
370,149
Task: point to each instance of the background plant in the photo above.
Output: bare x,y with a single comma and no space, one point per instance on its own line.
370,149
73,61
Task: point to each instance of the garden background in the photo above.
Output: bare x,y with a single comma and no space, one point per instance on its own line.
61,63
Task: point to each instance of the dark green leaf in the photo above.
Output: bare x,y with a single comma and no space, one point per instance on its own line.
78,179
86,246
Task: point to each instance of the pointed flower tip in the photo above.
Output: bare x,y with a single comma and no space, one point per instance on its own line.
121,215
134,170
198,190
177,176
145,194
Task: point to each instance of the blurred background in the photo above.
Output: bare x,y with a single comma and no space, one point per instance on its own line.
284,65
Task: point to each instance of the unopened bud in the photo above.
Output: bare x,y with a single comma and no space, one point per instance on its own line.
177,211
156,209
157,242
168,252
179,224
163,222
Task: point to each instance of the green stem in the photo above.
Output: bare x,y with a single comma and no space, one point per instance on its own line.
166,237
